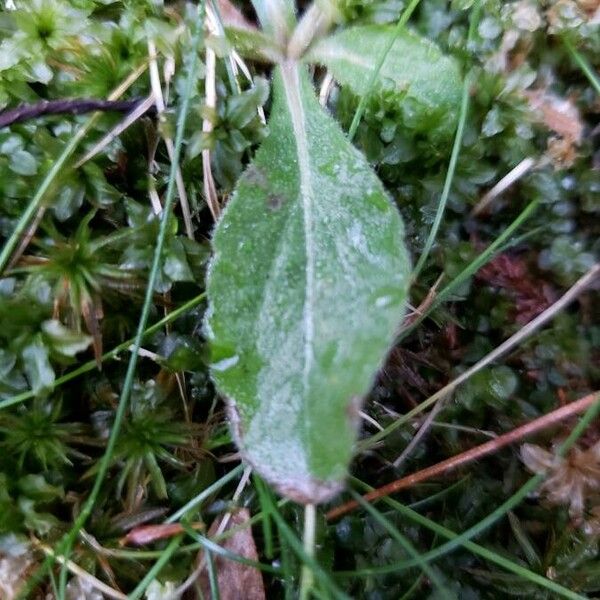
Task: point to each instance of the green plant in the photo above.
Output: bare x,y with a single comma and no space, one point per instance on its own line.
479,120
309,275
38,436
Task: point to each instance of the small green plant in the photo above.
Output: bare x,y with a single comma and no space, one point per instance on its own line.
151,436
309,277
38,436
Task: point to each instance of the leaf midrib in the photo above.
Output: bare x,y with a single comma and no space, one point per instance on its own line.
291,84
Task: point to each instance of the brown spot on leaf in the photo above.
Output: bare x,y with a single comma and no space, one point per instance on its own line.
256,176
274,202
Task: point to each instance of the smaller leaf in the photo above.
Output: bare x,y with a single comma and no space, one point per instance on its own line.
37,367
23,163
415,67
63,340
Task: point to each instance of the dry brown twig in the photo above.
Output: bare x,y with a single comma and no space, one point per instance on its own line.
441,468
569,296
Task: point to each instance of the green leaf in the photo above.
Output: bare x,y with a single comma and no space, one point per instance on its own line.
23,163
426,80
37,367
253,44
63,340
277,17
307,286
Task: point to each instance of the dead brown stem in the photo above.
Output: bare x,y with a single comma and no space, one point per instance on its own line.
490,447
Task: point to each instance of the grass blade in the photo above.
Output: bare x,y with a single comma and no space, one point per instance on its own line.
405,543
476,549
66,543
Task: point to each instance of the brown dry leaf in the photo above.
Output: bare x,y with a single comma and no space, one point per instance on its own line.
570,480
146,534
562,117
558,114
16,564
236,581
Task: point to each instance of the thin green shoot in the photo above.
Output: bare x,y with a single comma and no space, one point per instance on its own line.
296,546
458,138
405,544
212,576
287,567
472,268
204,494
584,65
408,11
214,548
526,331
524,541
267,529
114,353
66,543
37,201
460,130
512,502
447,489
472,547
413,588
156,568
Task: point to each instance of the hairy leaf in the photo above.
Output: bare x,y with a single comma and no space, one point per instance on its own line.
415,68
37,366
253,44
306,288
276,16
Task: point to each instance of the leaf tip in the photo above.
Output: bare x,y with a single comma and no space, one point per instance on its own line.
295,484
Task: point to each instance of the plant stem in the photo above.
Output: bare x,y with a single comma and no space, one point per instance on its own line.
307,577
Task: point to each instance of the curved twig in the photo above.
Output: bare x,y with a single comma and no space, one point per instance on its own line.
70,106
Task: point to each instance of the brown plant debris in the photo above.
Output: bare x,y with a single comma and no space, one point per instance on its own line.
236,581
570,480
